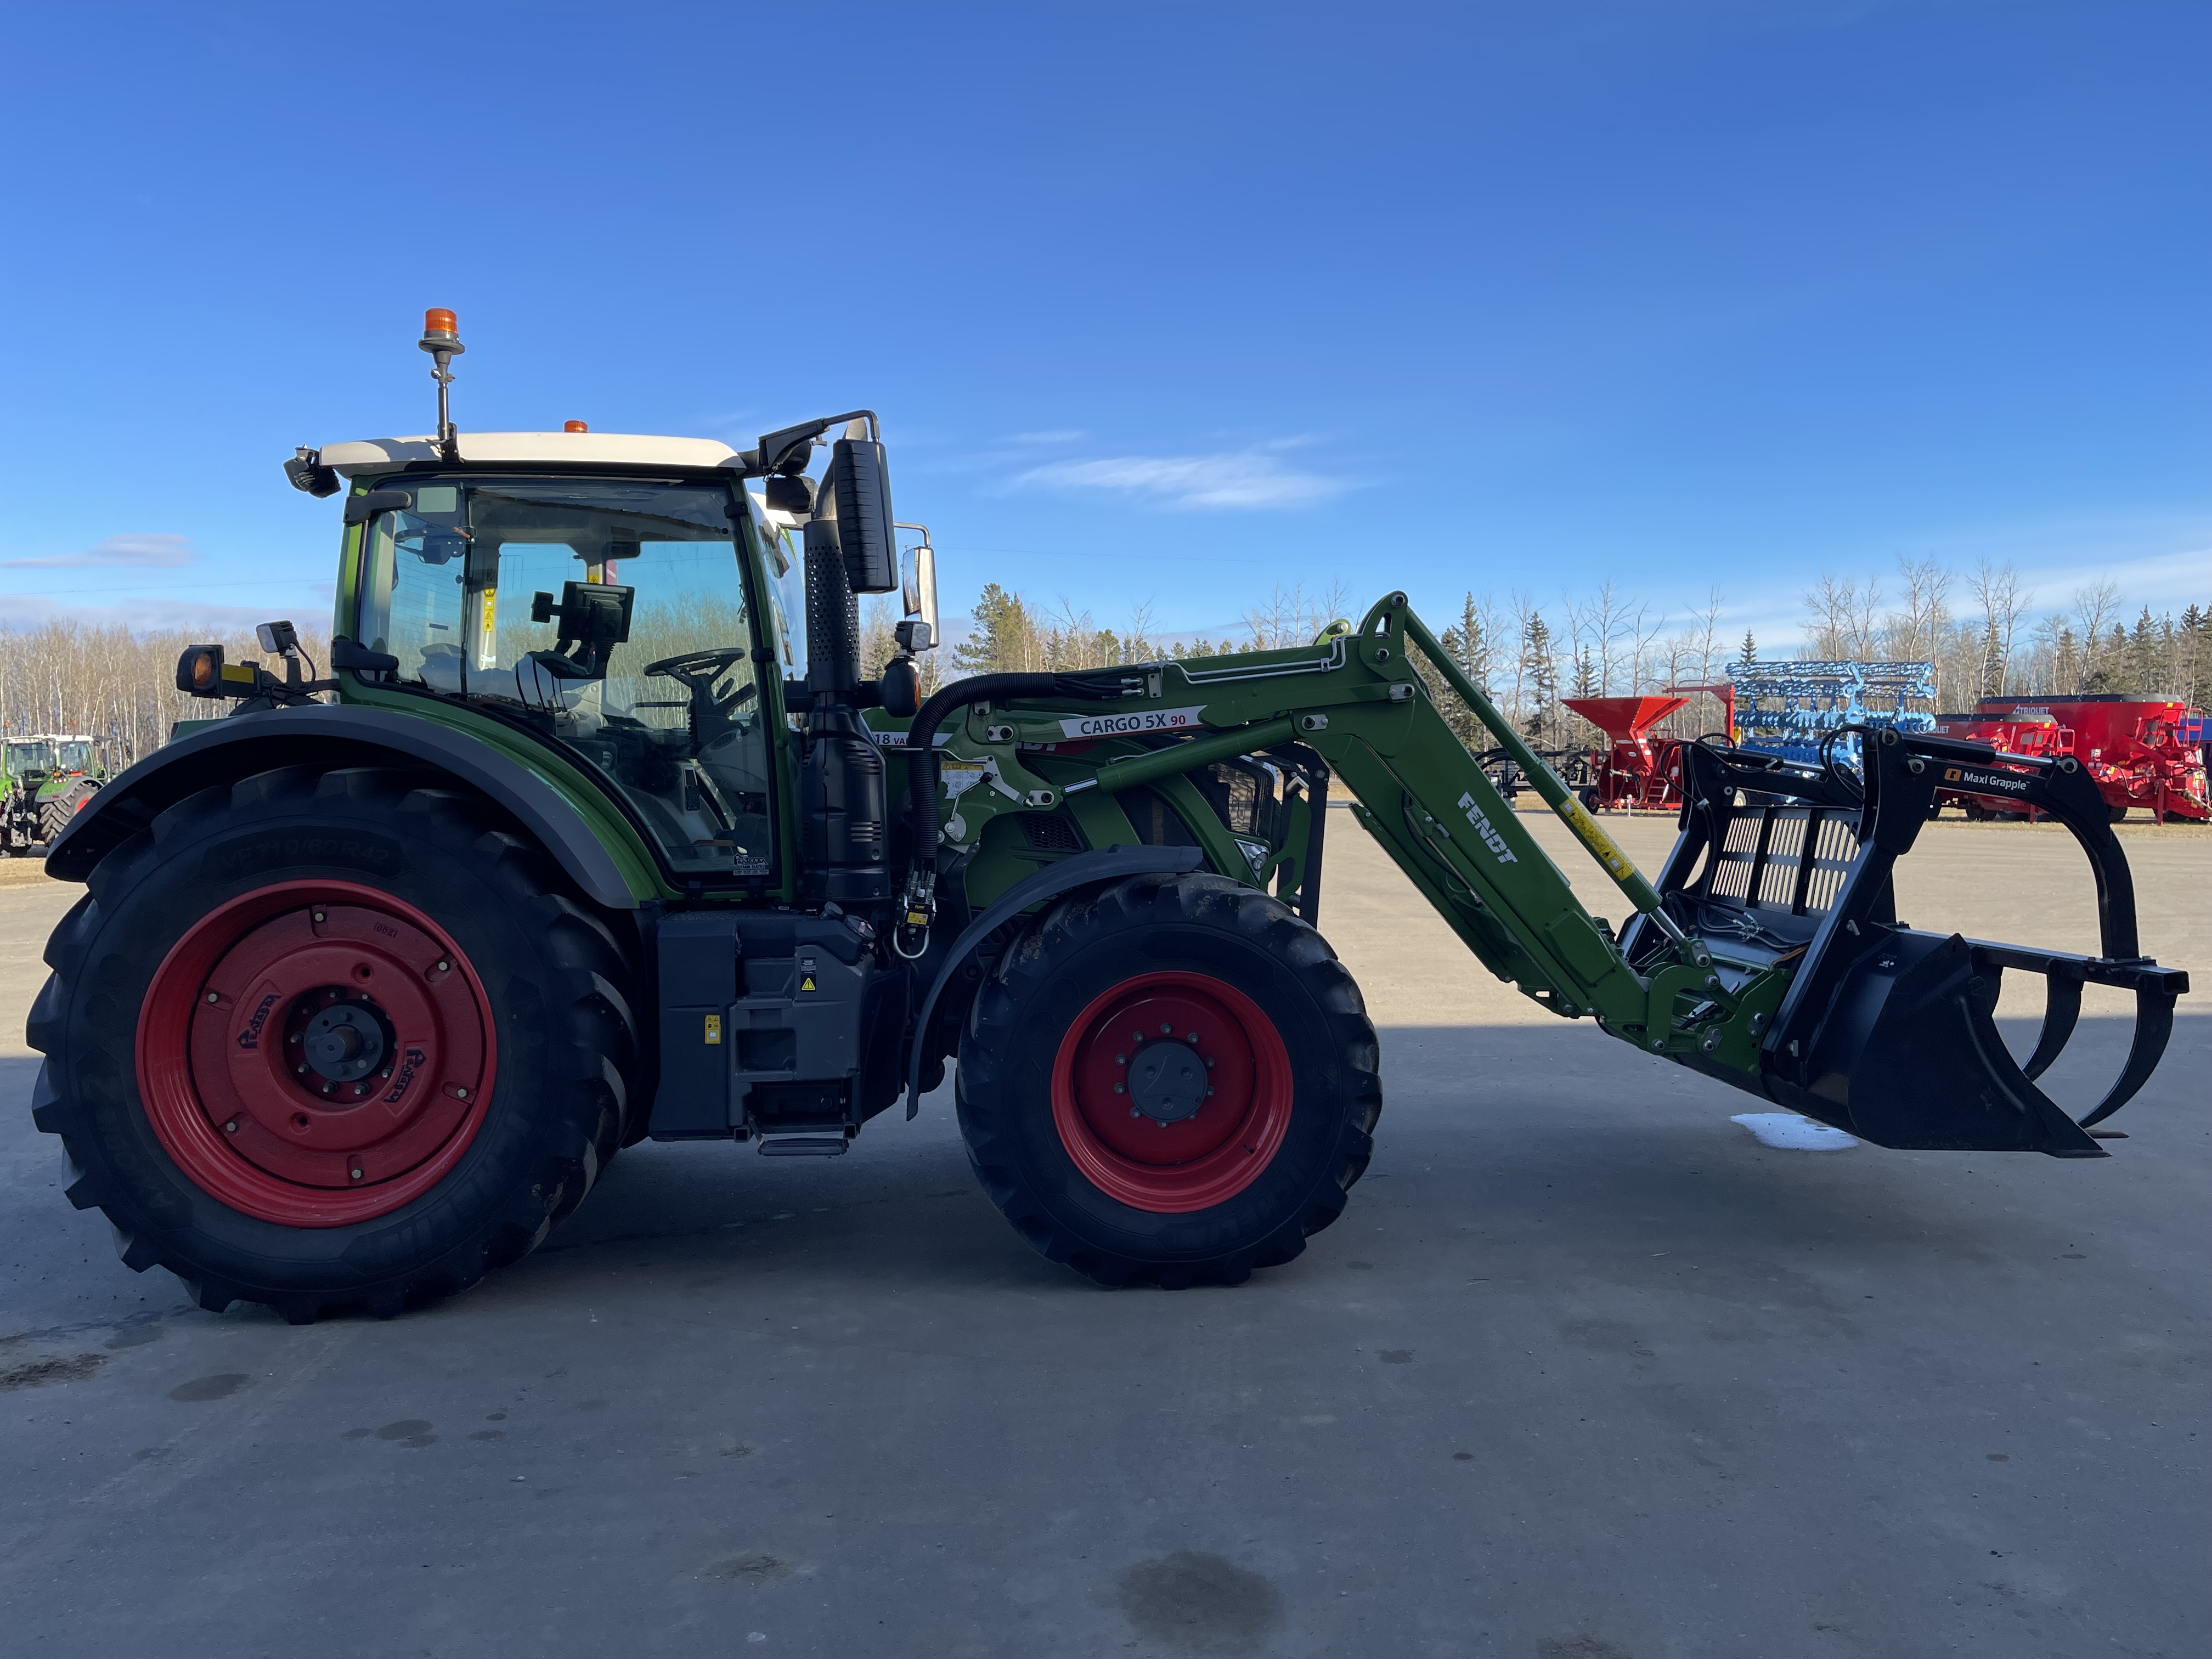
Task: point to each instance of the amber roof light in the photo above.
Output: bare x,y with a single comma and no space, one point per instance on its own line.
573,426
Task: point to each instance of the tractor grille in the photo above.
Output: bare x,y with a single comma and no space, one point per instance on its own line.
1049,832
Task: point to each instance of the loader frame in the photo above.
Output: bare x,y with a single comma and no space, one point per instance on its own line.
1767,954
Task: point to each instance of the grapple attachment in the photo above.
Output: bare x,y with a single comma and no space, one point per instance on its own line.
1886,1030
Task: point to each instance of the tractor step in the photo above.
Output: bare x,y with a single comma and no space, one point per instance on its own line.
803,1146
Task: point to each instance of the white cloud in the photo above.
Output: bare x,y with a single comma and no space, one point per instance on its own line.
148,552
158,616
1056,436
2157,579
1243,479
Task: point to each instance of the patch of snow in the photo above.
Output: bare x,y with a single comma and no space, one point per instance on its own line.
1792,1133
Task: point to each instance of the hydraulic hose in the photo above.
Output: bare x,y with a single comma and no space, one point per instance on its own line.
921,896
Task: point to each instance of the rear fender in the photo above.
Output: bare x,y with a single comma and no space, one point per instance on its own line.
331,737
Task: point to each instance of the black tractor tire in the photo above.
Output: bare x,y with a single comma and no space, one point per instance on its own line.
544,989
1046,1020
55,812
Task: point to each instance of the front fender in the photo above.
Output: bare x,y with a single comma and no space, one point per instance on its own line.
331,737
1064,876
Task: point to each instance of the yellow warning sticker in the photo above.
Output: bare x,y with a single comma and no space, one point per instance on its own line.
806,983
714,1027
1597,841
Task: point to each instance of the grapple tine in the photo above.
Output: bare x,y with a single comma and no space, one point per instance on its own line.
2062,1006
2154,1025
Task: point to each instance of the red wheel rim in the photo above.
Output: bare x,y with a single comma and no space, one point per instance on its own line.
256,987
1171,1167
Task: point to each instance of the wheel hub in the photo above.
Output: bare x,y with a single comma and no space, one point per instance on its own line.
1167,1080
343,1042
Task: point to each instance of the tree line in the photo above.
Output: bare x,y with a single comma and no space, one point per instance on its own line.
81,679
1981,630
1984,631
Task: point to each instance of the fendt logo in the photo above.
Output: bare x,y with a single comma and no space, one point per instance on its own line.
1491,838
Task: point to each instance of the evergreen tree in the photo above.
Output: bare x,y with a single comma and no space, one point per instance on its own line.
1750,653
1003,639
1993,663
2193,651
1586,674
1540,670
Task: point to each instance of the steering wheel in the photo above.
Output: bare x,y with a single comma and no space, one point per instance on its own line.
697,672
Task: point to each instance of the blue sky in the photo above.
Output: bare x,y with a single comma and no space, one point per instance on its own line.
1160,304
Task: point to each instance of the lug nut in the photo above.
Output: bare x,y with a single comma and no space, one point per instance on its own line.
460,1094
1194,1036
231,1127
1166,1030
1134,1112
1120,1090
1121,1059
215,996
357,1175
443,965
320,917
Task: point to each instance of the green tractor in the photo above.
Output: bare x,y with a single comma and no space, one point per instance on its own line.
48,778
607,835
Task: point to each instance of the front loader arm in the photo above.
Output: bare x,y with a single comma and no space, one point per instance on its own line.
1356,699
1769,958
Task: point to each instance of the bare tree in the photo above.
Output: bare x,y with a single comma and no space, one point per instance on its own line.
2094,607
1841,615
2003,601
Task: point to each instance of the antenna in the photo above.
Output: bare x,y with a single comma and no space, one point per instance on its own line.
441,338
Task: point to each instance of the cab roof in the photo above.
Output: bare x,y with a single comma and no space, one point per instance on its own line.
369,455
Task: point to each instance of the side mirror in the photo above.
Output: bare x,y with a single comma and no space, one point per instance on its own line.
360,509
918,586
856,492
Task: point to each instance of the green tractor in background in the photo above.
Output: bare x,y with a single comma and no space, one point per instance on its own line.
608,835
48,779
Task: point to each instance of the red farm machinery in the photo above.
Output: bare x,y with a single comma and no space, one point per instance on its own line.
2138,749
1640,769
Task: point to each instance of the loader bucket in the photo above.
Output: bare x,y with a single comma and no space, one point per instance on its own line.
1886,1031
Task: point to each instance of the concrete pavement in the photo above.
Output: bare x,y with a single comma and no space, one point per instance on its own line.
1585,1372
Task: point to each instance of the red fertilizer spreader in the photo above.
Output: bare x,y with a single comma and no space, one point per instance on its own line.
1637,770
2133,747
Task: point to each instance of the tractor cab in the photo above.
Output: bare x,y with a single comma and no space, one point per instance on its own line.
629,622
632,603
